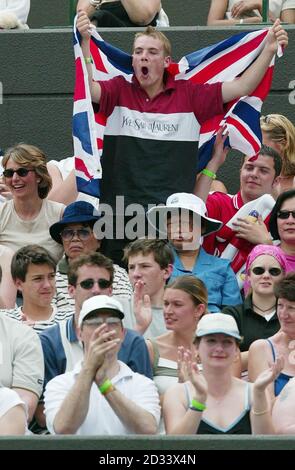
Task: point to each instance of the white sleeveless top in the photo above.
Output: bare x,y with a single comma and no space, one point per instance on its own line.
16,233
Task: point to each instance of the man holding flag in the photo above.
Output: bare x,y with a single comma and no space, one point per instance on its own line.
153,121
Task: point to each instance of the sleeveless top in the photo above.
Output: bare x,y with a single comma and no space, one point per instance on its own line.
164,370
241,425
282,378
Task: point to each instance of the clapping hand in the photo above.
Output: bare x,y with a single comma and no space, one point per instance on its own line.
142,307
266,377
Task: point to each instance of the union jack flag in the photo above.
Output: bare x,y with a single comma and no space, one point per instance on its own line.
224,61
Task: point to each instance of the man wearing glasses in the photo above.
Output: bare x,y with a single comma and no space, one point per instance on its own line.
75,232
89,275
101,395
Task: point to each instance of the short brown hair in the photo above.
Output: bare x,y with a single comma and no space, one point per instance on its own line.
27,255
91,259
31,156
150,31
162,252
285,288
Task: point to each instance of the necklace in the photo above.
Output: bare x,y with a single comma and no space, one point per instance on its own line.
264,310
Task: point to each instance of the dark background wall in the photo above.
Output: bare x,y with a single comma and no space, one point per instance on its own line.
37,76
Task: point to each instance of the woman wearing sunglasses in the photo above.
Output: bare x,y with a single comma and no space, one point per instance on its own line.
256,317
282,225
264,352
26,218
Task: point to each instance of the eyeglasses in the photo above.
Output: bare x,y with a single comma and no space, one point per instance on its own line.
114,321
258,270
68,234
9,172
285,214
89,283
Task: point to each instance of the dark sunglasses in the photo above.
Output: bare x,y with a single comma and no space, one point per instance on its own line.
9,172
285,214
68,233
258,270
89,283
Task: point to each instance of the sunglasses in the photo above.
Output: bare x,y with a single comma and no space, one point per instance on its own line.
89,283
285,214
68,234
258,270
99,321
9,172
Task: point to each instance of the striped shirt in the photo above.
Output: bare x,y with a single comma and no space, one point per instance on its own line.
57,316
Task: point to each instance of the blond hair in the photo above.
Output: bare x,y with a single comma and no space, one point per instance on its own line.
280,129
32,157
150,31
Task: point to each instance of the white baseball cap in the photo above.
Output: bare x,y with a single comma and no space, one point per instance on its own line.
182,201
102,303
212,323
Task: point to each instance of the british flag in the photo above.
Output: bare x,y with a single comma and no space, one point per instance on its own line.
224,61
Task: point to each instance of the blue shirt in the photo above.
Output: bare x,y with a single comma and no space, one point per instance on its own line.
133,351
217,275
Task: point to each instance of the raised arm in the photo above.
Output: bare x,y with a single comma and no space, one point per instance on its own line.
179,417
84,27
254,74
64,191
203,182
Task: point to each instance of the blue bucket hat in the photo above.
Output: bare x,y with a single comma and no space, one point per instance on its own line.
75,213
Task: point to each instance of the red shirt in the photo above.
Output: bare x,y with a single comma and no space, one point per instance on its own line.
222,207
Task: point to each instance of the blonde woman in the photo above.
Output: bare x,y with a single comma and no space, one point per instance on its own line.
279,133
26,218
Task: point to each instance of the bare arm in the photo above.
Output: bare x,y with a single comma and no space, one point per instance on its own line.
261,420
64,191
254,74
7,286
259,358
74,408
30,399
13,423
203,182
218,8
135,418
288,16
141,12
84,27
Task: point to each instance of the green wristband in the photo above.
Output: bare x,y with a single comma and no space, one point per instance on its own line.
105,386
88,60
209,173
197,406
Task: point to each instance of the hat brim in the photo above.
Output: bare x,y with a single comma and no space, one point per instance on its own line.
202,333
106,310
157,218
56,228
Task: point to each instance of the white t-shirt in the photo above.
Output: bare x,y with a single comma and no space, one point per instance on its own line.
101,418
275,6
20,8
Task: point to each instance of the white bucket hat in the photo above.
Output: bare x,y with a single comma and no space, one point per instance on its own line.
182,201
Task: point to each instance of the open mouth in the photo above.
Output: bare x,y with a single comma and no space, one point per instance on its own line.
144,70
